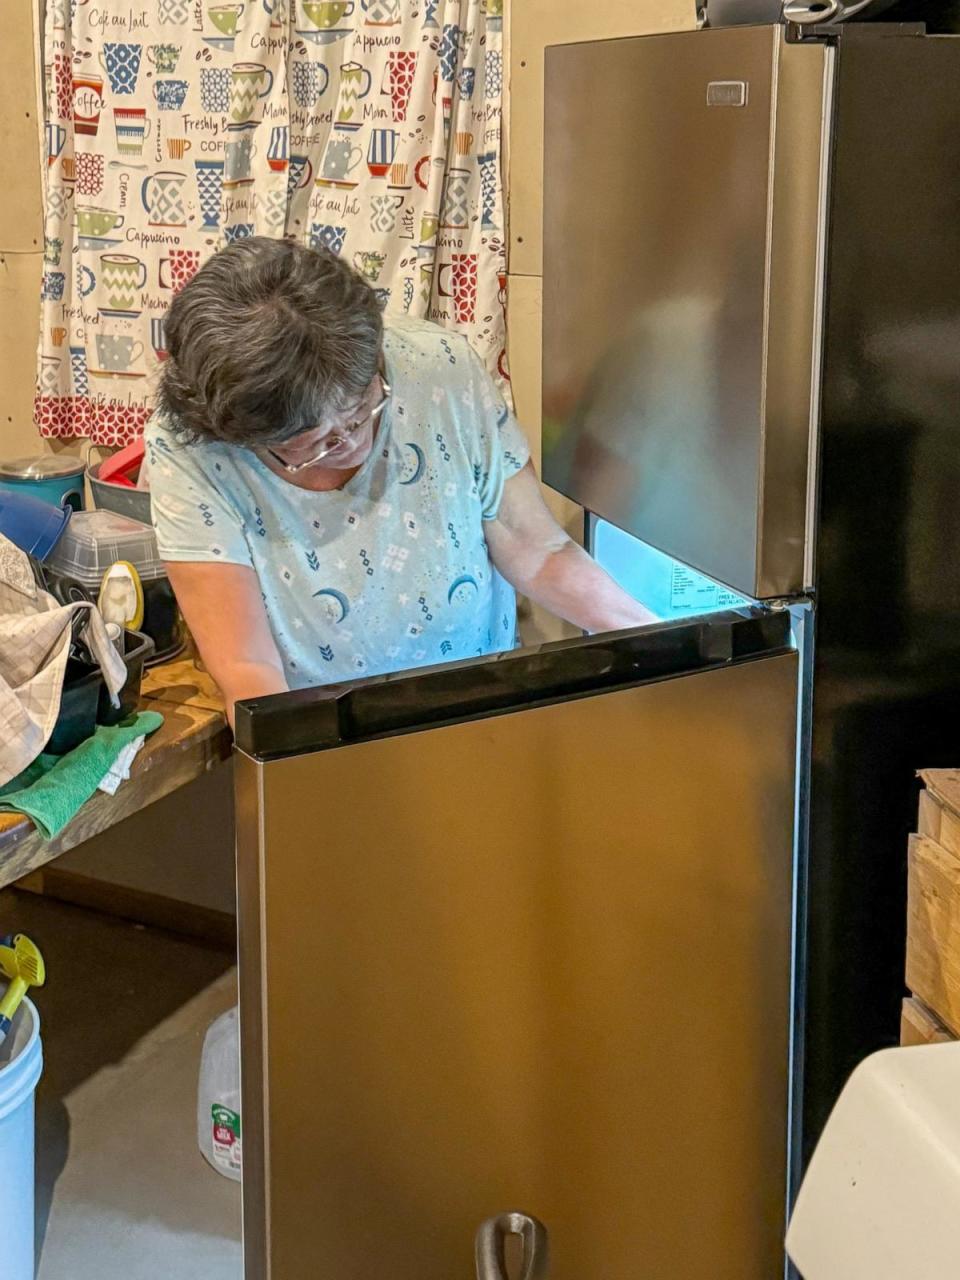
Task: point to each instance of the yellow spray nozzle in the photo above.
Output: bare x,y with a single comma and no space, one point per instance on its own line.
22,964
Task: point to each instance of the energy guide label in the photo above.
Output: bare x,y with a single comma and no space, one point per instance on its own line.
692,591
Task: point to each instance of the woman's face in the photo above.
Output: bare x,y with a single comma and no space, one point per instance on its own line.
341,444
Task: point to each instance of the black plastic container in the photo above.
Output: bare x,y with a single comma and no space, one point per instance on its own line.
86,703
138,650
77,720
162,620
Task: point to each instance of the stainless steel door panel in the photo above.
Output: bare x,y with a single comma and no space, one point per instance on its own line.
539,961
682,236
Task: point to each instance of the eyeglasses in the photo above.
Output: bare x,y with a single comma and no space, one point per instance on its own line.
340,438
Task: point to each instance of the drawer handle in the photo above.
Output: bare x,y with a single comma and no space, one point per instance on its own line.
491,1242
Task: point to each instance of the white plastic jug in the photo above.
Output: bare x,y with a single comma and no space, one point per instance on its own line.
218,1096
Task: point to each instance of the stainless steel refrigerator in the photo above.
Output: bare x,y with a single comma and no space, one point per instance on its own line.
595,931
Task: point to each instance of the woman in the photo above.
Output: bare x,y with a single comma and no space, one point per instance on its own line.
335,497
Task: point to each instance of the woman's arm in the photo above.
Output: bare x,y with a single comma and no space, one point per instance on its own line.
224,611
534,554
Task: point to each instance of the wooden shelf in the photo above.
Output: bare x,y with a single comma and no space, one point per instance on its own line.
193,739
183,683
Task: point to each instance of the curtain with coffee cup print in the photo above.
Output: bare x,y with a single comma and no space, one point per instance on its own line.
369,127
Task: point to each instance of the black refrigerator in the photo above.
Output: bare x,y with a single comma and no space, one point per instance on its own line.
596,931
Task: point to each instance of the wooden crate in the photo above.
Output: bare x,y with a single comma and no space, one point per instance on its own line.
919,1026
933,914
940,807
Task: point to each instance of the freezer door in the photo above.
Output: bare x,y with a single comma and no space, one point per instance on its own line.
684,191
535,961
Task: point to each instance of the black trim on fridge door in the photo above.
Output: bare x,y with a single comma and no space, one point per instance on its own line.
333,715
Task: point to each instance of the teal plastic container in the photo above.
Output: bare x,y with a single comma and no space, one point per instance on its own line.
56,478
21,1065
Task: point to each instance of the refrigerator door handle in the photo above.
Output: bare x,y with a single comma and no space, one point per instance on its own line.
803,12
814,14
491,1247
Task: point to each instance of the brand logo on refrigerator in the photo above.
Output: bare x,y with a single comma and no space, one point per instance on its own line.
727,93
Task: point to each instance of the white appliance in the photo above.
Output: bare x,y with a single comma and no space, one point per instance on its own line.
881,1199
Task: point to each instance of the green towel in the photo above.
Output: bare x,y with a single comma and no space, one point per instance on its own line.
54,788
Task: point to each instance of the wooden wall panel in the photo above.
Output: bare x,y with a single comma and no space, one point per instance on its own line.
19,329
21,229
20,210
524,314
524,350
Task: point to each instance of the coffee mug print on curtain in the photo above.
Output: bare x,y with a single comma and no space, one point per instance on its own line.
136,130
368,127
394,150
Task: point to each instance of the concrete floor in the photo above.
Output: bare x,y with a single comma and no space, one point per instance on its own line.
122,1190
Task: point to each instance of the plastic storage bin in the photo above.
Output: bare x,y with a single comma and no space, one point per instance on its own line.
21,1064
97,539
117,497
94,541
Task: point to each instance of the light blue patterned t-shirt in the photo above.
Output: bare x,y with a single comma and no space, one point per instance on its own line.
393,570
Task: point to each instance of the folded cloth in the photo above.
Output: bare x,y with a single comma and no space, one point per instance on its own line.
53,788
35,635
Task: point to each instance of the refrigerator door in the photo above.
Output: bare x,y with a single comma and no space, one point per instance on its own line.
534,957
683,250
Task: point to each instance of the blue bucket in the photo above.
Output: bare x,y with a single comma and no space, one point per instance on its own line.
21,1064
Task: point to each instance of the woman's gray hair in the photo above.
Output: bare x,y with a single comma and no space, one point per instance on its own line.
268,339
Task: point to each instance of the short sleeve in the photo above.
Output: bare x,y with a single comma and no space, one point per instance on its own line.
194,519
499,446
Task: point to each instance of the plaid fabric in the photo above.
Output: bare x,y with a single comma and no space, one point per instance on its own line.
35,634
